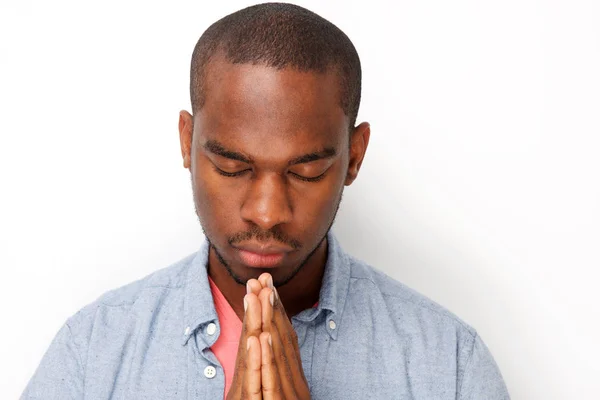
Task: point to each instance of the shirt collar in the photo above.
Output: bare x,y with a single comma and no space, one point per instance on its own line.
199,308
334,288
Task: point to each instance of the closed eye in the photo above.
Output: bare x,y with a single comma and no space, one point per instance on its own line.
312,179
230,174
297,176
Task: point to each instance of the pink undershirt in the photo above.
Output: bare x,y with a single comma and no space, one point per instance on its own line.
226,346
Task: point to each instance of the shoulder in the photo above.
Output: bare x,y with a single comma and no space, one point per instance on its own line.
420,333
113,306
403,302
404,317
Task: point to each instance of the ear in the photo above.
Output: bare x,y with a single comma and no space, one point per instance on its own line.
186,127
359,140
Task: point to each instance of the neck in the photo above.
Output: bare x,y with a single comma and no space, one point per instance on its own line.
299,294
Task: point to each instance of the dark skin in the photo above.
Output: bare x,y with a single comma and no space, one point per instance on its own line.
282,138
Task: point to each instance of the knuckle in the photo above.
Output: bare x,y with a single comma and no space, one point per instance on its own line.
273,390
288,340
240,362
282,358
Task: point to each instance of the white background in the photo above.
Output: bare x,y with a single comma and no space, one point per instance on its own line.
480,187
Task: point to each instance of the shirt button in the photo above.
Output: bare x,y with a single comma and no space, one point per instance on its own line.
187,331
332,324
210,372
211,329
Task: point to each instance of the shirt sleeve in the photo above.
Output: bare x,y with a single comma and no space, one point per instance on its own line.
481,378
60,373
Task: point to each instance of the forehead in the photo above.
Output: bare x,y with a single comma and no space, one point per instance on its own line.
251,106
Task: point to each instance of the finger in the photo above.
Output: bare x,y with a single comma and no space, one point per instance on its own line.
252,319
253,286
285,344
251,388
282,362
289,340
283,324
267,299
281,356
251,326
281,320
266,280
271,386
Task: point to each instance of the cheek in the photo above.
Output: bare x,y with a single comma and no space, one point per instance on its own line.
316,204
215,201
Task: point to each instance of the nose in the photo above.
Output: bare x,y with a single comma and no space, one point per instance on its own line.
267,203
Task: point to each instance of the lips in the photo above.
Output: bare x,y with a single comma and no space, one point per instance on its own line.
262,255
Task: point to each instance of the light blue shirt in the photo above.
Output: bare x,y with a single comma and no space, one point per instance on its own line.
370,337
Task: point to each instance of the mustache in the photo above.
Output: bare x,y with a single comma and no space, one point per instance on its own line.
264,236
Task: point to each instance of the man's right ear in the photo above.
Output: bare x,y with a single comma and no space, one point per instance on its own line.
186,128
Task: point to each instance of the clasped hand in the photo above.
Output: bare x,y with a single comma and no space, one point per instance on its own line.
268,364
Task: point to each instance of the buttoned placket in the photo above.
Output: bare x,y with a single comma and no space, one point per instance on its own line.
317,328
205,377
313,328
207,374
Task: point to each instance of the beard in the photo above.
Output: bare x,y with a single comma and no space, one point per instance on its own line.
275,233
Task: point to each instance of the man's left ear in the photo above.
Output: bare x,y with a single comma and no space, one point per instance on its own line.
359,140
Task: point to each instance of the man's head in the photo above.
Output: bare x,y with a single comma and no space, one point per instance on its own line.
271,144
279,35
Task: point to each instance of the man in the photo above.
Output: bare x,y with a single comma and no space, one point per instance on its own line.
270,307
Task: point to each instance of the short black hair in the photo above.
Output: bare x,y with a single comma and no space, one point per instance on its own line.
280,35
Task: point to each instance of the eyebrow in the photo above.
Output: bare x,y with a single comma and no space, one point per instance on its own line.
217,148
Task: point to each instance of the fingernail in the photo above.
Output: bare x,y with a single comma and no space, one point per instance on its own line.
270,282
248,288
276,294
245,304
272,298
270,341
247,345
